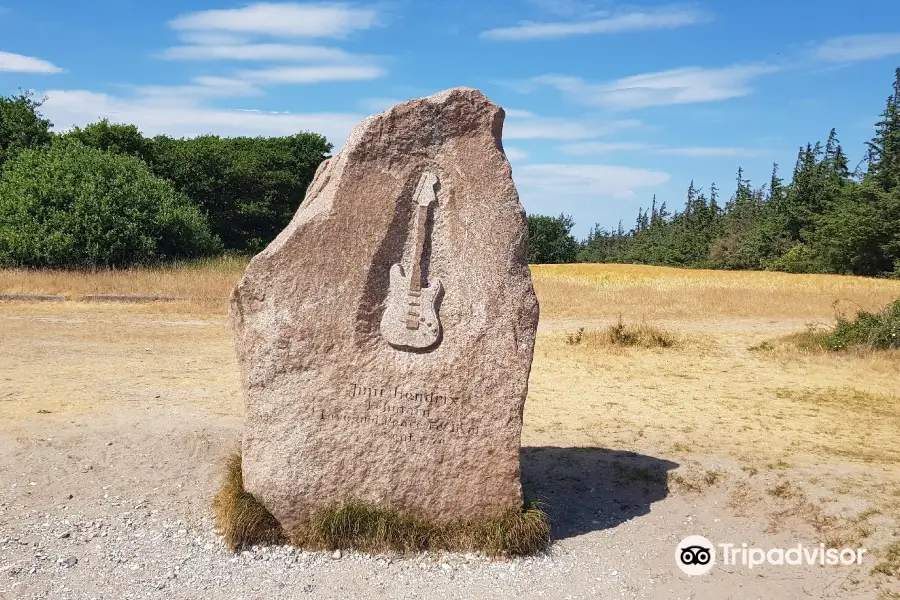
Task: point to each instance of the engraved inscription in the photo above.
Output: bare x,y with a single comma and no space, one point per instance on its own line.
401,411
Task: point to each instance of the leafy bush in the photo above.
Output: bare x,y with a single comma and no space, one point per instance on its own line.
21,125
73,206
249,188
871,330
550,240
799,259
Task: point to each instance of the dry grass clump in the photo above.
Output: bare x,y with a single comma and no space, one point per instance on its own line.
643,335
694,481
361,526
239,517
890,561
809,341
356,525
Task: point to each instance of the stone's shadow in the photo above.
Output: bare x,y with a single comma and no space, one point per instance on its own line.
588,489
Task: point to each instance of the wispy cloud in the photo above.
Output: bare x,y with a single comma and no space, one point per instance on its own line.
524,125
18,63
595,148
201,87
711,151
229,35
312,74
186,117
256,52
604,23
590,148
855,48
593,181
515,154
562,7
678,86
213,38
291,19
377,105
515,113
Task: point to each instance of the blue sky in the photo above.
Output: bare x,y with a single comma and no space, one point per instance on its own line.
607,103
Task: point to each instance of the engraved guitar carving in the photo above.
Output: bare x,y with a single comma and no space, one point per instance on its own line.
410,319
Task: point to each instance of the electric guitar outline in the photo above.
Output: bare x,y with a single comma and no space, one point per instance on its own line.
410,320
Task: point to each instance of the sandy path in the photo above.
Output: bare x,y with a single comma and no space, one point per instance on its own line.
141,407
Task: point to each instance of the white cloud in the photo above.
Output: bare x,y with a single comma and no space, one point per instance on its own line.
710,151
282,19
258,52
183,117
377,105
854,48
213,38
206,86
515,154
562,7
513,113
592,148
596,181
313,74
524,125
637,20
17,63
677,86
587,148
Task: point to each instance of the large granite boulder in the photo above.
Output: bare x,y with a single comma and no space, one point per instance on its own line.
385,337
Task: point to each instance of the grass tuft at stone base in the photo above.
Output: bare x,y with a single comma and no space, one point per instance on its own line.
239,517
355,525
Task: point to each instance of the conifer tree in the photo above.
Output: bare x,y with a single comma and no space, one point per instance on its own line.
884,149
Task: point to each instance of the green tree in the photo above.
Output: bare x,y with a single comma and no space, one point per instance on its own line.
21,125
860,234
69,205
249,187
884,149
113,137
550,239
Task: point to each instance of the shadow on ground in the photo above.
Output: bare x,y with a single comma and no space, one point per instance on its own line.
587,489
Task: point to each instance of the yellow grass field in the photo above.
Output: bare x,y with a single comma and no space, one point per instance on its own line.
807,442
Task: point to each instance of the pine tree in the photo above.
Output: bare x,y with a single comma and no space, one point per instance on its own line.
714,208
776,186
884,149
835,165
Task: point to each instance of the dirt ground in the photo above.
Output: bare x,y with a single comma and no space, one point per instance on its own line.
116,418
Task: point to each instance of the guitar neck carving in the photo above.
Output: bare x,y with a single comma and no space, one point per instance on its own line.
410,319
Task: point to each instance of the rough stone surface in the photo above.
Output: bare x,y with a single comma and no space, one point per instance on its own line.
333,410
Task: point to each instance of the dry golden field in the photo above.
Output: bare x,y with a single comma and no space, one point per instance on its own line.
801,441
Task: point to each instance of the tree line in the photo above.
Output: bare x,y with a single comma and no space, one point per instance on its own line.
107,196
826,219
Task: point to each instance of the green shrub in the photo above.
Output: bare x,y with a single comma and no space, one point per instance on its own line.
798,259
879,330
69,205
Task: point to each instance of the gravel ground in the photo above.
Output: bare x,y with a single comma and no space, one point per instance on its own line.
117,507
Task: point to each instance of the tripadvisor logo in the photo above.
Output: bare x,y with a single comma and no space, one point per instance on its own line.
696,555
